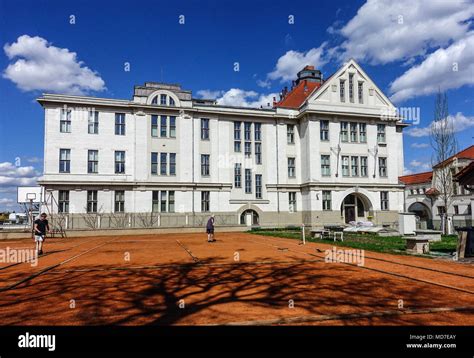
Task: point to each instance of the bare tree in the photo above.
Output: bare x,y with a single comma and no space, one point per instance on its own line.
443,142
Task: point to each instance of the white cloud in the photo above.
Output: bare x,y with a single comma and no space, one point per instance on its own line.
42,66
241,98
292,62
444,69
420,145
420,165
12,176
459,122
209,94
407,171
384,31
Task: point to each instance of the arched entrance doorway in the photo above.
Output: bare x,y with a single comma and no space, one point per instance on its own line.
424,215
249,217
355,207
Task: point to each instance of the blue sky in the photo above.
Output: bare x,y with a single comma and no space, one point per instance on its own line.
408,48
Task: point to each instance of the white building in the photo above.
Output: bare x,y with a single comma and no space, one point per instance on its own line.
327,152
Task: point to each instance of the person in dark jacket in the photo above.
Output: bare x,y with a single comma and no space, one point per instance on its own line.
41,226
210,229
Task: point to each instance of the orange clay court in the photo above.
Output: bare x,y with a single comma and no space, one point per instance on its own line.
180,279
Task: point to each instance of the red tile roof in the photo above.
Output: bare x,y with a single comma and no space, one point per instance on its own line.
296,97
419,178
467,153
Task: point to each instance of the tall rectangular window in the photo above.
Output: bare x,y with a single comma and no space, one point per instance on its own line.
120,123
163,126
163,99
360,91
163,163
380,133
205,172
248,149
154,163
237,136
172,126
382,167
155,201
325,165
344,131
93,122
384,200
363,167
258,153
205,201
248,181
63,201
258,131
363,132
290,133
238,175
291,168
204,128
353,127
292,202
92,161
345,166
258,186
327,200
172,163
154,126
119,202
354,166
351,87
171,201
324,130
247,131
119,162
91,201
163,201
65,121
64,160
342,90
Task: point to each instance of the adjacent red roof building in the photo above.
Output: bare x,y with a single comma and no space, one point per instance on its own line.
419,178
467,153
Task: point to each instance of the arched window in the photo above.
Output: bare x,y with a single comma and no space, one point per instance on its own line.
172,102
154,100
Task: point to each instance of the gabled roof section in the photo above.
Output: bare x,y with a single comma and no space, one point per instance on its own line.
467,153
419,178
297,96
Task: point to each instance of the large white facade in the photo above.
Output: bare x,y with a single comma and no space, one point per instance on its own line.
80,165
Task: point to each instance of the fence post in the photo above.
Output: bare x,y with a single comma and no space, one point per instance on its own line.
304,236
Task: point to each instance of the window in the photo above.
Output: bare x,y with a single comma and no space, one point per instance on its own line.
247,131
456,209
205,165
351,87
345,166
154,100
154,126
258,153
238,175
65,121
441,210
258,186
120,123
363,132
344,134
204,129
327,200
172,163
290,133
92,161
91,201
171,201
163,163
64,160
380,133
172,103
155,201
248,181
248,149
342,90
163,201
119,202
172,126
324,130
354,166
237,146
93,122
154,163
63,201
325,165
360,91
258,132
119,162
292,202
163,99
363,167
205,201
354,133
291,168
163,126
382,167
469,209
384,200
237,136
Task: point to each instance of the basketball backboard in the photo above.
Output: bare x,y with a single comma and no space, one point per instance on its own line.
27,194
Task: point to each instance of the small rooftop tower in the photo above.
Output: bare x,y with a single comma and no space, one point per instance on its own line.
310,74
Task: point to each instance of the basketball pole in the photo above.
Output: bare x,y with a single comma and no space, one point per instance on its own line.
32,221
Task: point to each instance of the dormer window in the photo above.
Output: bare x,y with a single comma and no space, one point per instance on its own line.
351,87
163,100
361,92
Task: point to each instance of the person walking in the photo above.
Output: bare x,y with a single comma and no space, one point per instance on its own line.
210,229
41,226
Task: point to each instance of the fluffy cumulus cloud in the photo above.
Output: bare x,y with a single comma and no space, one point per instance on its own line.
12,176
38,65
444,69
459,123
384,31
239,98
